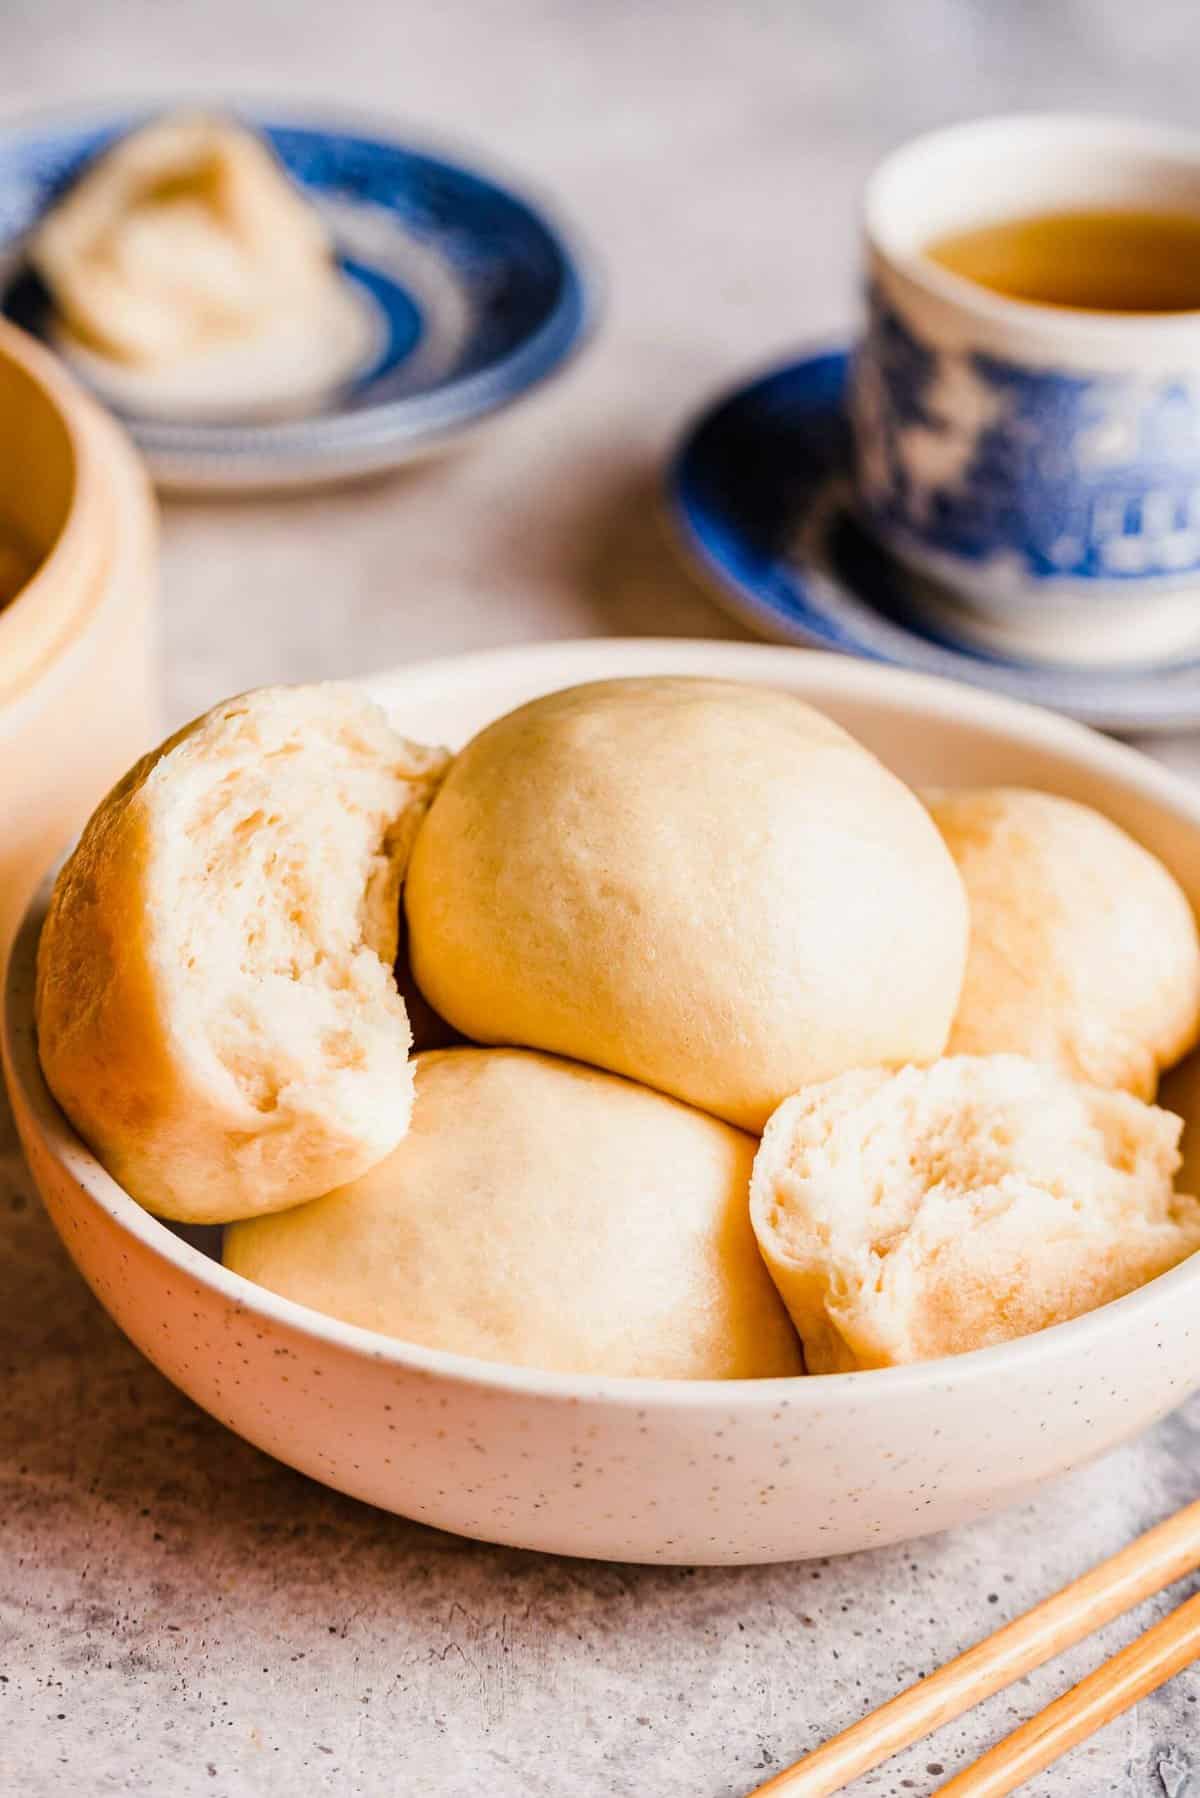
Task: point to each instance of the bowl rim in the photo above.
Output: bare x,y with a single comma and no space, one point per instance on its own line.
604,658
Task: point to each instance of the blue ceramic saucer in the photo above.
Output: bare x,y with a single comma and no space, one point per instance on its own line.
477,295
760,493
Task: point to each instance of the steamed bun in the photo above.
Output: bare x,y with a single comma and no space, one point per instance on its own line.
707,886
216,1009
923,1213
186,232
542,1213
1084,951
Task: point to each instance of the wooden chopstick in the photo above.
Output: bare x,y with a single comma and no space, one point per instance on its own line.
1163,1555
1165,1649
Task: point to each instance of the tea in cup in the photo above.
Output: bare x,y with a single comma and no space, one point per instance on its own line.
1026,395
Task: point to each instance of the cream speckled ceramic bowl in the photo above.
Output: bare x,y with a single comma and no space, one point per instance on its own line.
647,1470
78,676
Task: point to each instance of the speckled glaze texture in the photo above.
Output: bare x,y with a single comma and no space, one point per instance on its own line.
653,1470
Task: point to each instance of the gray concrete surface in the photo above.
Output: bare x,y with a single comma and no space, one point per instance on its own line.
178,1615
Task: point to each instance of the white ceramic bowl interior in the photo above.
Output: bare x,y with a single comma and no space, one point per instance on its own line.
646,1470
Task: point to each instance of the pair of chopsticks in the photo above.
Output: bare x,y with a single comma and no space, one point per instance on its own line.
1163,1555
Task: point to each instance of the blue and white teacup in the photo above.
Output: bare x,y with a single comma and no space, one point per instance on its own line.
1037,467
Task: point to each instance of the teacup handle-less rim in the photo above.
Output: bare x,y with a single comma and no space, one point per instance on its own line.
1023,163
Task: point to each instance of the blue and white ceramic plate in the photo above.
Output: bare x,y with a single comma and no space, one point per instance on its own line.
476,294
760,492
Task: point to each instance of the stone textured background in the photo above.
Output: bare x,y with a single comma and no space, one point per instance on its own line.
180,1616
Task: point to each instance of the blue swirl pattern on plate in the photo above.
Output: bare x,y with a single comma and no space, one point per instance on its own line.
477,294
760,491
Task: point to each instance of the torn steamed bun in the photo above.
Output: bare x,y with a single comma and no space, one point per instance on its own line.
216,1007
910,1215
